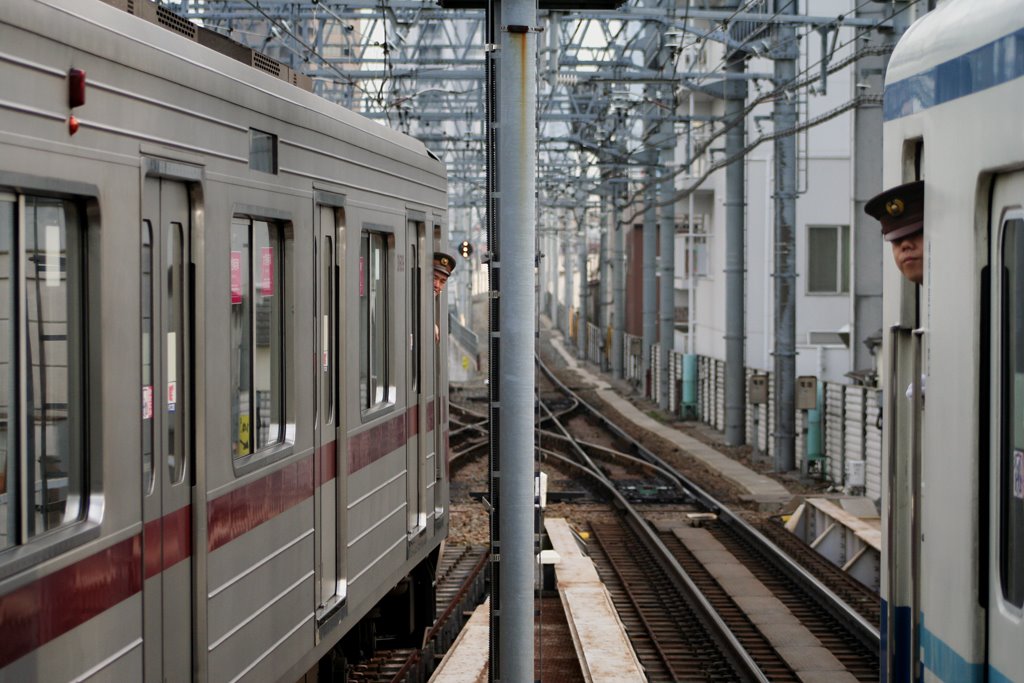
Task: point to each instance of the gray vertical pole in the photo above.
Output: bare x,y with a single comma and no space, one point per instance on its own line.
785,53
735,254
619,295
667,270
581,330
604,266
650,242
568,239
866,264
554,247
517,172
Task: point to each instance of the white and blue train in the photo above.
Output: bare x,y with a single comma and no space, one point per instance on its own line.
953,537
223,426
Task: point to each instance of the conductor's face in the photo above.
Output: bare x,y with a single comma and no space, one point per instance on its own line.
909,254
439,281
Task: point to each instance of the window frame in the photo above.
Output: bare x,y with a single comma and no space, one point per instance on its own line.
283,447
1008,447
85,527
368,407
843,265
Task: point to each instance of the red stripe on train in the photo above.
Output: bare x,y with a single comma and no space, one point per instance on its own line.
59,602
376,442
245,508
167,541
50,607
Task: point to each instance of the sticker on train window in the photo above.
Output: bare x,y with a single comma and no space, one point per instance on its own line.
267,271
172,396
147,402
236,277
1018,474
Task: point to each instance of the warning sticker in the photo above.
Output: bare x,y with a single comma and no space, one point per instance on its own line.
1018,474
236,277
267,271
147,402
243,435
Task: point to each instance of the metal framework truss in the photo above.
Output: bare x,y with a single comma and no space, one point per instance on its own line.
608,79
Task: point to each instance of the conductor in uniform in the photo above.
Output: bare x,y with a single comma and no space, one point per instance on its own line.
444,264
900,210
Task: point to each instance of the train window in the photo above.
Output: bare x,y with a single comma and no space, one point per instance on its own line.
1011,467
327,364
147,356
828,259
262,151
414,333
257,336
174,425
374,337
42,453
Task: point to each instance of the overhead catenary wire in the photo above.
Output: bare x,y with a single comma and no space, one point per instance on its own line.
799,81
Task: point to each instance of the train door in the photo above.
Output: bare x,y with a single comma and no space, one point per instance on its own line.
418,450
1006,449
167,443
331,491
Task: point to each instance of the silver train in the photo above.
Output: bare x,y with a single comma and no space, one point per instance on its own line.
953,537
223,424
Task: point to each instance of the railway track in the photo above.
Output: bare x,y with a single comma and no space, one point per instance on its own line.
459,589
687,609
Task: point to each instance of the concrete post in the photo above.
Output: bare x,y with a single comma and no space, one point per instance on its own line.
667,263
517,173
619,289
735,255
650,242
785,52
568,240
581,330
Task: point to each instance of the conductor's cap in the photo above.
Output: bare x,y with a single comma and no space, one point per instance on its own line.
444,263
900,210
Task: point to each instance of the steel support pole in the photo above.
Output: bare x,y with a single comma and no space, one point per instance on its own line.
667,263
604,265
568,240
552,257
581,325
735,258
619,294
650,256
785,53
517,166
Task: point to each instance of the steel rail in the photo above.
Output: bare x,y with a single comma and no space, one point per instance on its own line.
733,650
836,606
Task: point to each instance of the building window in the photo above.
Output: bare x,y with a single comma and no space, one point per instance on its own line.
42,367
375,321
828,259
257,335
1011,461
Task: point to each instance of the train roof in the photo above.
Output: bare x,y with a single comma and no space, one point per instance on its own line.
956,50
953,29
175,51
